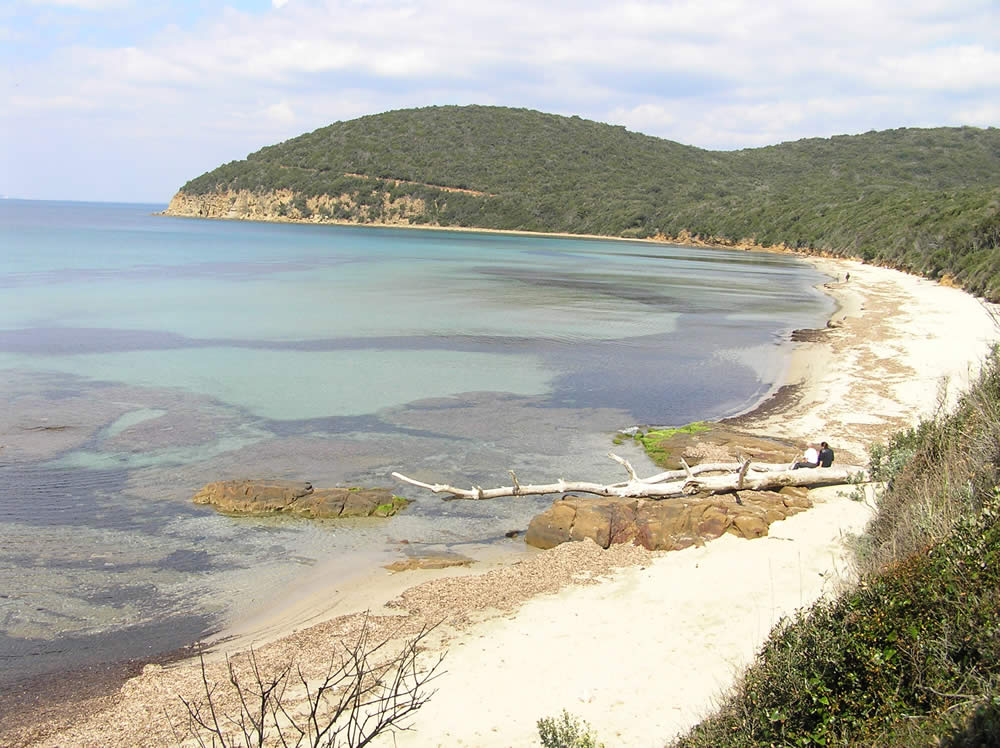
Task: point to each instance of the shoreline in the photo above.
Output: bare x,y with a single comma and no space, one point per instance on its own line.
684,239
872,355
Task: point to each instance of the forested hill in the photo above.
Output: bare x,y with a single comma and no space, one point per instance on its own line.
925,200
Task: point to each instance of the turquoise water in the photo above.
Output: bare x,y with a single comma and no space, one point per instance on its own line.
143,356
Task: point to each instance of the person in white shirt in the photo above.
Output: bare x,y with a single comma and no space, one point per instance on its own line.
809,460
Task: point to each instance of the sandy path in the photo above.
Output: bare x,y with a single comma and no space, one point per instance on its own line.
641,654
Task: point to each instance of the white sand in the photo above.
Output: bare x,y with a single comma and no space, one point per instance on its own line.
896,343
643,654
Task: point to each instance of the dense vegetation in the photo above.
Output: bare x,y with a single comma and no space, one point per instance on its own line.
911,656
927,201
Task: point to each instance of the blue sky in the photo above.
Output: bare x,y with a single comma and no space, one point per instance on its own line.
128,99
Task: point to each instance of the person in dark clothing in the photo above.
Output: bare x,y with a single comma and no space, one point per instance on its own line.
825,455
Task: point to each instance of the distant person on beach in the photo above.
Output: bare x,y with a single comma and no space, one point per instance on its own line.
825,455
809,460
847,277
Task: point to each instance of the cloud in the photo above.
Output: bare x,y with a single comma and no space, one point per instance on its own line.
724,74
957,68
645,118
84,4
280,112
979,114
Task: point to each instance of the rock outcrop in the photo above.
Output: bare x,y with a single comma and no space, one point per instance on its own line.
299,498
437,561
288,206
669,524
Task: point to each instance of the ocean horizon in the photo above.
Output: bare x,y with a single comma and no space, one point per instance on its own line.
143,356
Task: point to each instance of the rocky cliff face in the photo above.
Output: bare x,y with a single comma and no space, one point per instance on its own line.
286,205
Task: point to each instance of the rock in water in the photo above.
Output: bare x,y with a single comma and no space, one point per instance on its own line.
438,561
299,498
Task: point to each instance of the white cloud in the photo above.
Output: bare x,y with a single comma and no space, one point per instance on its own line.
980,114
84,4
645,118
958,68
280,112
722,74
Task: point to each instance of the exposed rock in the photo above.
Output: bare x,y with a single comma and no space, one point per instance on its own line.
670,524
299,498
552,527
715,442
286,205
440,561
252,496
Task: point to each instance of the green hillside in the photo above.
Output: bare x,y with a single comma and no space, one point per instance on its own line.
927,201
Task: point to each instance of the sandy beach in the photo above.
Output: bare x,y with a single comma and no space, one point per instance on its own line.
638,644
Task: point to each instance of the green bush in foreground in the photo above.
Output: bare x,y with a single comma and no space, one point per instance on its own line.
911,656
566,732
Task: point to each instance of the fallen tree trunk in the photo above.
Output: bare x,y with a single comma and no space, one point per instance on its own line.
711,467
770,481
670,484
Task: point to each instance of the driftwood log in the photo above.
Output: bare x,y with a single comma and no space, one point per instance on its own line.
736,476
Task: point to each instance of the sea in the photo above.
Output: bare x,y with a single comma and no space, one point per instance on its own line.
142,356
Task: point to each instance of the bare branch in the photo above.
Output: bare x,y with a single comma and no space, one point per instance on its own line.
625,464
369,688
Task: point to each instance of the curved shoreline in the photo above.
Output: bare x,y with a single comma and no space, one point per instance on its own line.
874,368
683,239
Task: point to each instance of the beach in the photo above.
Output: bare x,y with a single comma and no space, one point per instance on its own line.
638,644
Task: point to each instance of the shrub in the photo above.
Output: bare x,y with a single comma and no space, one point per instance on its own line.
566,732
911,655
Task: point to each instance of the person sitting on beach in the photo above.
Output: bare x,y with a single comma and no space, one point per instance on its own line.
809,460
825,455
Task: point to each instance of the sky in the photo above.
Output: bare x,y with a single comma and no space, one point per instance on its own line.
125,100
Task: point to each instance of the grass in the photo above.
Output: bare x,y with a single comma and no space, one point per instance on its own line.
911,655
390,508
656,444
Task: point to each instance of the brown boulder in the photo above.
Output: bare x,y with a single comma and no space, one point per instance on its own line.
299,498
667,524
252,496
552,527
327,502
795,496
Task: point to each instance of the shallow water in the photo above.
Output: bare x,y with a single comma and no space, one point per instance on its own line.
143,356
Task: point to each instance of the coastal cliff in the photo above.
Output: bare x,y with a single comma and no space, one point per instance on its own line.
286,206
289,206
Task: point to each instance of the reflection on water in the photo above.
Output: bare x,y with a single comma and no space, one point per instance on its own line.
143,357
